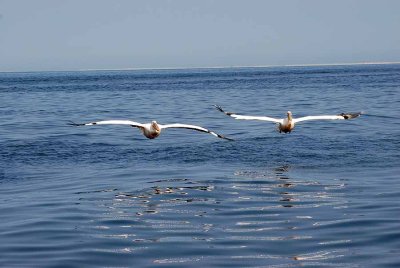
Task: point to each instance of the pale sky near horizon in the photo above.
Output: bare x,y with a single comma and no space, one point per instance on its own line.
96,34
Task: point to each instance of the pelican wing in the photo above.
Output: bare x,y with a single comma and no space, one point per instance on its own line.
341,116
248,117
110,122
201,129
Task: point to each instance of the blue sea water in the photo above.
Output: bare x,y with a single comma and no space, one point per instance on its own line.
326,195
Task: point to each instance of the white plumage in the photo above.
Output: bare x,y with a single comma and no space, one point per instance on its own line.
150,130
286,125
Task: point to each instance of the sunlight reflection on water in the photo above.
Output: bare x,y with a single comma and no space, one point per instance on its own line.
241,211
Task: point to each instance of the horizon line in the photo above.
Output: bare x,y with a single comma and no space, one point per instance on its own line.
244,66
213,67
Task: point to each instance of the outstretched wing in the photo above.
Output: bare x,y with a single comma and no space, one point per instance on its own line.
109,122
248,117
341,116
201,129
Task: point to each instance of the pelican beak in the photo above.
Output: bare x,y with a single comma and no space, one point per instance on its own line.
155,125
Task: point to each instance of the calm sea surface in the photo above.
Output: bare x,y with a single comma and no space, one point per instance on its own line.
328,194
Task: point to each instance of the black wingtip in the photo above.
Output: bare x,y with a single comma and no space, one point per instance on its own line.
350,115
71,123
219,108
219,135
225,138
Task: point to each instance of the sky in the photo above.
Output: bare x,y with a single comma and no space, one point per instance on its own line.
55,35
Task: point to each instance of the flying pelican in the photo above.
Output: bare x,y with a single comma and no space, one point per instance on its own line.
286,125
150,130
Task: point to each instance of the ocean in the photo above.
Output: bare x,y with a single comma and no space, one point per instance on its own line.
325,195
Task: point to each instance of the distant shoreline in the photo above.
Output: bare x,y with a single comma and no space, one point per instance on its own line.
211,67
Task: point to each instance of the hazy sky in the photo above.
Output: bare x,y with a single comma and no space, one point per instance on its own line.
94,34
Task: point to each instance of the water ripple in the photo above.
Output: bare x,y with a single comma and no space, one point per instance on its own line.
325,195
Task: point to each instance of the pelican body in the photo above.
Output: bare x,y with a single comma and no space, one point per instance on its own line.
287,124
152,131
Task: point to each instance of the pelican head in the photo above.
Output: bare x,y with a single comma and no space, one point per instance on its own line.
289,115
155,125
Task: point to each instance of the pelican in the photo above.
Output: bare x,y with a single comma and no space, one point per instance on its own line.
286,125
150,130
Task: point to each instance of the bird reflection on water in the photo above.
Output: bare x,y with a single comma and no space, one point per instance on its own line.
250,209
